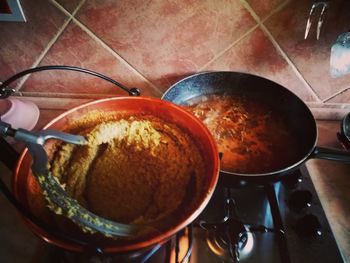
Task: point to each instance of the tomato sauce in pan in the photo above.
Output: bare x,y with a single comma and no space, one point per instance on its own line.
252,136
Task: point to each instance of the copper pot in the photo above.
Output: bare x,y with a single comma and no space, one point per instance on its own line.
24,182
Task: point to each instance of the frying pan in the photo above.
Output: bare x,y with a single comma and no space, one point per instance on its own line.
292,109
70,238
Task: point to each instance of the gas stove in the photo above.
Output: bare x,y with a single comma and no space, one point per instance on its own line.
280,222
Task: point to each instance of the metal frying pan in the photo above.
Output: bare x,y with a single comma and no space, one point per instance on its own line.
291,108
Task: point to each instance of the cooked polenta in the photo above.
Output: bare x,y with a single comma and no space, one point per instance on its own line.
133,169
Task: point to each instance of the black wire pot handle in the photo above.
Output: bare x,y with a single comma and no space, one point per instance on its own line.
5,91
10,157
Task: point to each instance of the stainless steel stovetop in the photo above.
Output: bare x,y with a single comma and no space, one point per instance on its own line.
283,222
286,222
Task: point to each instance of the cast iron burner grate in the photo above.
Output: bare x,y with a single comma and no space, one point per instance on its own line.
232,239
229,234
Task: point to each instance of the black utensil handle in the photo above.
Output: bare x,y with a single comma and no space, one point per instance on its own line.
331,154
4,90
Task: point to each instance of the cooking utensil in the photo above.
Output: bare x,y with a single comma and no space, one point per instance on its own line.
23,180
340,56
55,194
292,109
312,16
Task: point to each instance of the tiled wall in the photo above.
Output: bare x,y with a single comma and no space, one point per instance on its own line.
152,44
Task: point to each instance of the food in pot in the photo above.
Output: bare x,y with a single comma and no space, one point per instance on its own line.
252,136
134,169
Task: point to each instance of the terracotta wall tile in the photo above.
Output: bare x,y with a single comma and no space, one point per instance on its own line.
255,54
166,40
77,48
264,8
311,56
57,102
22,43
69,5
46,116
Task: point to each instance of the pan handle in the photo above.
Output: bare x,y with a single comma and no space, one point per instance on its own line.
6,92
331,154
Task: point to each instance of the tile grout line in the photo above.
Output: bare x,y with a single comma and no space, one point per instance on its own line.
42,55
330,105
335,94
277,46
290,63
89,96
47,48
62,9
228,47
115,54
242,37
93,95
256,18
108,48
274,11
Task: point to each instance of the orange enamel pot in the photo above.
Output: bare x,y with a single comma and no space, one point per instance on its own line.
24,182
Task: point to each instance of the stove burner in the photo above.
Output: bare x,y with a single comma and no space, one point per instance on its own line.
229,237
226,251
